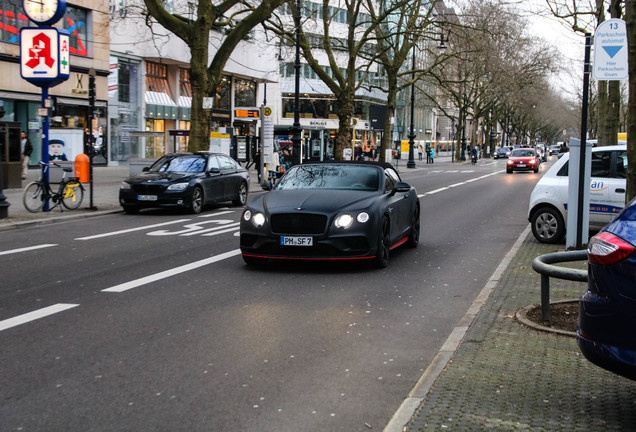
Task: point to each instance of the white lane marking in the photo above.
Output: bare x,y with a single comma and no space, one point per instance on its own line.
32,316
457,184
172,272
210,234
26,249
113,233
196,228
207,215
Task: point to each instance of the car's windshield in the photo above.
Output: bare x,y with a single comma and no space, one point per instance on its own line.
179,164
351,177
522,153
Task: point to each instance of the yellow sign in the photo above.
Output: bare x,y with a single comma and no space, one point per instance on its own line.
268,111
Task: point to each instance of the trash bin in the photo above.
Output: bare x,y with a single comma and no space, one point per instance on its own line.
82,168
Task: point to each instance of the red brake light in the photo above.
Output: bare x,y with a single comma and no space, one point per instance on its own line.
606,248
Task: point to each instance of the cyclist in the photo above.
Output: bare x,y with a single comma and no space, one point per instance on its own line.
473,152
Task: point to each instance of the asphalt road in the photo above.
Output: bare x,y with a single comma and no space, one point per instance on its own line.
153,322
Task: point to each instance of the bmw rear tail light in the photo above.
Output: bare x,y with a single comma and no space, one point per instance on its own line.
606,249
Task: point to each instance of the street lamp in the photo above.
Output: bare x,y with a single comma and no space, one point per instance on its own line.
296,129
411,162
453,139
463,155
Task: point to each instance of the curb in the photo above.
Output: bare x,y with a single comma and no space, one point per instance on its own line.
44,221
417,395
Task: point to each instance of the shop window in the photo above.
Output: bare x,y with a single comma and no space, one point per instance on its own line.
12,19
185,89
123,81
245,93
222,96
157,78
76,22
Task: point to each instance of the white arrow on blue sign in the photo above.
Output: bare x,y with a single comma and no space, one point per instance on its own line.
610,51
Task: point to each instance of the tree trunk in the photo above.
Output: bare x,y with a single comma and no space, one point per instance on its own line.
200,118
344,137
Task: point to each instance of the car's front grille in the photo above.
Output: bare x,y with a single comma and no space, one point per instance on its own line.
148,189
298,223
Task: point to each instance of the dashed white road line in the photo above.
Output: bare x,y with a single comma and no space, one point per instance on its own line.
171,272
26,249
456,184
32,316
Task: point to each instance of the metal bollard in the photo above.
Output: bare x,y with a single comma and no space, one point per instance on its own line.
543,265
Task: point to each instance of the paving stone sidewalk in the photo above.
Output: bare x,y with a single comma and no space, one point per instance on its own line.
509,377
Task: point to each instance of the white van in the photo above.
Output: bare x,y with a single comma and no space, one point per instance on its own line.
547,211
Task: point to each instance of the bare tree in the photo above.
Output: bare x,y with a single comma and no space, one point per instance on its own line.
583,17
230,21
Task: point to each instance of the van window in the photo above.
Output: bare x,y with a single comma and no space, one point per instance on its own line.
601,164
621,164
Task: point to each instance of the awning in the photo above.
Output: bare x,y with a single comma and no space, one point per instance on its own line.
159,98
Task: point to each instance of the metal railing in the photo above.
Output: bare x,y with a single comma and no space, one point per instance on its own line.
543,265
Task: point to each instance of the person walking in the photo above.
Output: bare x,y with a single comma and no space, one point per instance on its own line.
432,155
26,148
428,153
420,149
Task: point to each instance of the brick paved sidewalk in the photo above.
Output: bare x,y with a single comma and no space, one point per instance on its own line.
509,377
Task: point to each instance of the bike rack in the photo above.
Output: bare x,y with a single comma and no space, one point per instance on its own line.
543,265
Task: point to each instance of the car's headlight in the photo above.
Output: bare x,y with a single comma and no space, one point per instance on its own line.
343,221
178,187
258,219
125,186
363,217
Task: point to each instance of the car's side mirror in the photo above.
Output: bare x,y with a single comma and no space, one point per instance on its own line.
400,187
267,185
214,171
145,169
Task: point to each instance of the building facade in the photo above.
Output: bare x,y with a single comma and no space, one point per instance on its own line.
71,121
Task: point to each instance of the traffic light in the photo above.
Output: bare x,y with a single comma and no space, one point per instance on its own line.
91,90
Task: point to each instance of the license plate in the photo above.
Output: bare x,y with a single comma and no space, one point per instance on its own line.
147,197
521,165
296,241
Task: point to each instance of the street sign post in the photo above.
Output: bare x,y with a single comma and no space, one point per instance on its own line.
610,51
44,62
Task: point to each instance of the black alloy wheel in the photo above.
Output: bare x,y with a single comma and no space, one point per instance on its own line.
241,199
384,244
414,234
196,203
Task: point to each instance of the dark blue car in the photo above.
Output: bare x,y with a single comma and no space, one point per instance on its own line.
607,318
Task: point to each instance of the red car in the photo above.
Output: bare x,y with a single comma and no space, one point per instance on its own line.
523,159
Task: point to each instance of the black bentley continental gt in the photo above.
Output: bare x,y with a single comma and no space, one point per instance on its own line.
332,211
187,180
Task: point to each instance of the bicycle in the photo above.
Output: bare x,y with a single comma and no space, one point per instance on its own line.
70,192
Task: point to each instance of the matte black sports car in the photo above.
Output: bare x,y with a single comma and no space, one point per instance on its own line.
331,211
188,180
